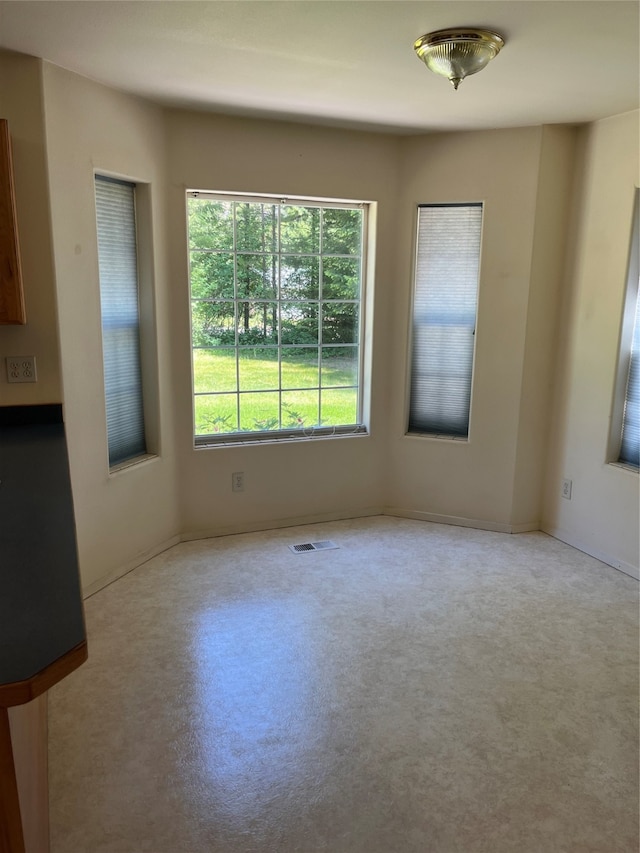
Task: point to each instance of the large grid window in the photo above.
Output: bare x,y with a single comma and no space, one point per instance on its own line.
118,268
444,318
275,316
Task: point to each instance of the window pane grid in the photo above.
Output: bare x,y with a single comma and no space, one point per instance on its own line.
278,252
278,312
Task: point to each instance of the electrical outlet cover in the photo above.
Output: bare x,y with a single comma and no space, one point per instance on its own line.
21,368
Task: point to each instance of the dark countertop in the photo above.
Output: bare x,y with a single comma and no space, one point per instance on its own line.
41,613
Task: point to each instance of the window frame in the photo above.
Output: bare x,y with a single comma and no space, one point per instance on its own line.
435,435
630,307
361,427
146,326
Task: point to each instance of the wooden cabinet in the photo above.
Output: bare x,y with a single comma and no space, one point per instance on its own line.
28,729
11,294
42,632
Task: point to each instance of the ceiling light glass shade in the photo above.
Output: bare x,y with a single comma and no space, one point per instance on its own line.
457,53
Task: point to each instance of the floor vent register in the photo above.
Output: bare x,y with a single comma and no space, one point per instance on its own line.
326,545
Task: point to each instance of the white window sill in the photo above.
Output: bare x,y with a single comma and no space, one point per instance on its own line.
203,443
132,463
625,467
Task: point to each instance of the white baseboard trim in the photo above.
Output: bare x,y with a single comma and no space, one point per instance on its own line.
529,527
576,542
296,521
459,521
212,533
129,566
277,524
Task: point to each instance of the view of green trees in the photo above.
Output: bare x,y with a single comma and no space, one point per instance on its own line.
275,294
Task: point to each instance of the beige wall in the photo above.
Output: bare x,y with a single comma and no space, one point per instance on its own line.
21,103
297,480
473,482
530,263
547,280
602,515
122,517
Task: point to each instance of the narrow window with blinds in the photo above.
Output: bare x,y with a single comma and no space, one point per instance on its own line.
630,438
444,318
118,267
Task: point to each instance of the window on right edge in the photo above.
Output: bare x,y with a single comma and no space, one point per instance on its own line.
444,318
626,411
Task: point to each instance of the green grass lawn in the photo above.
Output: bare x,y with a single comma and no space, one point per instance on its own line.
310,394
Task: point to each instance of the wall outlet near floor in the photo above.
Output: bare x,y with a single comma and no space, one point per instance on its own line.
21,368
566,489
237,481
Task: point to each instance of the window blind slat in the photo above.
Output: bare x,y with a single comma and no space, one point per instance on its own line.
117,256
444,318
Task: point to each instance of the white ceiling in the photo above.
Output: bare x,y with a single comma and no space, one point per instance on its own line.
344,62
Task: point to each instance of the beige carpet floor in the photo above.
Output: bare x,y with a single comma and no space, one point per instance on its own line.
420,689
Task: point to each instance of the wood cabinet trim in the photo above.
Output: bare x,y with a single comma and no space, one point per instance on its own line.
12,308
19,692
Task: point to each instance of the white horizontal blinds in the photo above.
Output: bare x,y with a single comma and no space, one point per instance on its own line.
630,446
444,318
115,206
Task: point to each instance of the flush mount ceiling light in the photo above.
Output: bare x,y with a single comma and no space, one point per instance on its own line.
458,52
